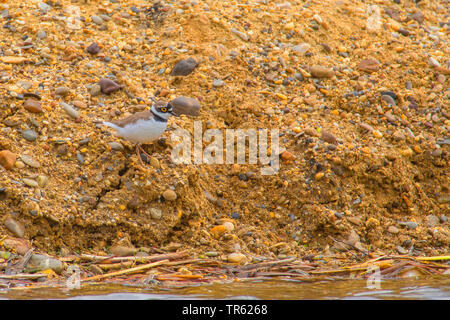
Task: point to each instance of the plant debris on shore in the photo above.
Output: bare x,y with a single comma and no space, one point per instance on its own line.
358,91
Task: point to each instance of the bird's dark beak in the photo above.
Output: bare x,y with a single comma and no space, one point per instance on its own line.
171,111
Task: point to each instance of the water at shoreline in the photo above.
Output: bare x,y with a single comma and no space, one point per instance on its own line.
434,288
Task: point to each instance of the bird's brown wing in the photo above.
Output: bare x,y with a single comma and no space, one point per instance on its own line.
146,115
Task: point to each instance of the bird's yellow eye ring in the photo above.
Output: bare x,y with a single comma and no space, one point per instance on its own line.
164,109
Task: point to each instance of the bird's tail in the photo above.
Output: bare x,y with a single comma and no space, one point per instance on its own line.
106,123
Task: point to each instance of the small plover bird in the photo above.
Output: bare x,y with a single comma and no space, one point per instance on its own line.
143,127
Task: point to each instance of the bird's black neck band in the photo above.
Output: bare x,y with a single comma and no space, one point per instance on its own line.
158,118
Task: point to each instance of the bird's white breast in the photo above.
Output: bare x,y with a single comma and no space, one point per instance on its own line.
143,131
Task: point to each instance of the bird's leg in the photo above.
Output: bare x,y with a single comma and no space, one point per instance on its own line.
140,149
143,151
138,146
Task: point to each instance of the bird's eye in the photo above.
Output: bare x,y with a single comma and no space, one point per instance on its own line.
164,109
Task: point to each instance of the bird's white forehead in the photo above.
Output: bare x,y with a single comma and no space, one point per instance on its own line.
159,104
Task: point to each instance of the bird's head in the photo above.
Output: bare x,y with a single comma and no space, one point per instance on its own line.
163,109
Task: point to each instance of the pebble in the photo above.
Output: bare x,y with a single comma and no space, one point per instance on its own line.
24,84
390,117
369,65
70,110
377,134
97,20
93,48
42,180
433,62
418,16
43,6
389,93
403,32
218,83
62,150
210,197
235,215
19,164
243,177
393,230
408,85
443,199
41,34
84,141
355,220
185,105
299,76
399,135
329,137
240,34
105,17
388,99
155,163
431,221
32,106
229,226
96,270
80,158
62,91
319,175
289,26
184,67
169,195
134,202
116,146
95,90
217,231
301,48
440,78
443,218
30,182
108,86
155,213
311,132
236,258
16,244
410,224
122,251
211,254
15,227
366,126
79,104
406,152
321,72
285,155
5,14
98,177
30,161
11,123
436,152
29,135
402,250
7,159
39,262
